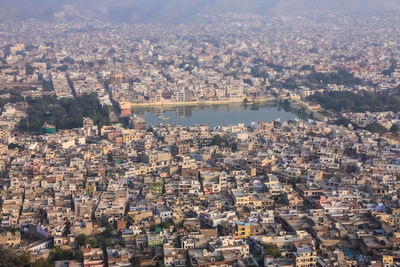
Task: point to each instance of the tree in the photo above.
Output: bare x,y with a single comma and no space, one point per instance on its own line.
286,103
221,141
343,121
351,168
361,102
61,254
272,250
306,67
101,62
376,127
220,228
391,69
47,85
78,255
165,225
135,261
65,113
93,243
81,240
14,146
342,77
290,84
219,258
248,81
41,263
29,69
395,128
11,259
159,264
67,60
62,68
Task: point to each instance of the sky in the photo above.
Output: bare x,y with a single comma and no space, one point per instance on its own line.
178,10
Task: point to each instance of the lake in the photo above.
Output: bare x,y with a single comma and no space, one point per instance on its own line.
213,115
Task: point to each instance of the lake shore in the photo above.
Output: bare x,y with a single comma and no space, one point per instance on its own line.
200,103
300,109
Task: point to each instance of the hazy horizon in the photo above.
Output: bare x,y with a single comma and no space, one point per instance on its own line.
179,10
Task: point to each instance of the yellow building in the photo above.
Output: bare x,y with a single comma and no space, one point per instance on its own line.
387,260
243,230
387,218
90,189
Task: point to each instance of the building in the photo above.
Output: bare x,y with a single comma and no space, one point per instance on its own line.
243,230
181,96
305,256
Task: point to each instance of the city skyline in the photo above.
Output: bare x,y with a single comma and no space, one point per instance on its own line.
205,133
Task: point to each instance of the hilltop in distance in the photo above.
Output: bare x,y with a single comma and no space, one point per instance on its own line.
178,10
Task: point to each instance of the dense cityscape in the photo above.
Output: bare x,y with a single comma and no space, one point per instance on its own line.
86,181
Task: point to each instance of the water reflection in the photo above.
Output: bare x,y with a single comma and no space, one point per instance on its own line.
213,115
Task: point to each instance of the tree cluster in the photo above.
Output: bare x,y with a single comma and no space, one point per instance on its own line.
65,113
391,69
218,140
342,77
376,127
348,101
272,250
15,96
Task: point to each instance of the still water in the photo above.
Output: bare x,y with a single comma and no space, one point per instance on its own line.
213,115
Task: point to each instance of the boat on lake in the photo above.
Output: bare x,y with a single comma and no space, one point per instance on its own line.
163,118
